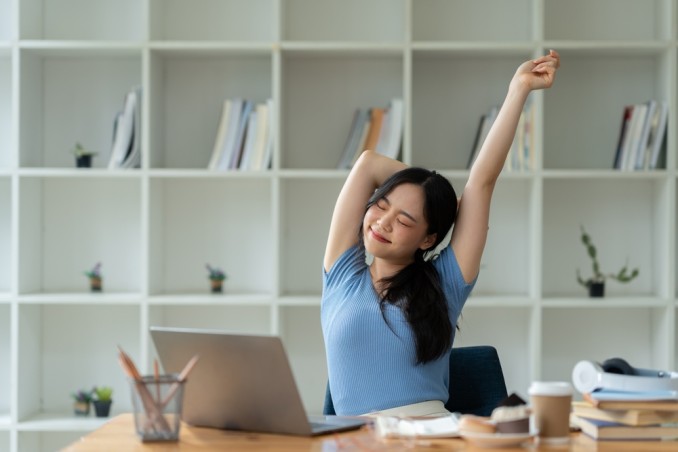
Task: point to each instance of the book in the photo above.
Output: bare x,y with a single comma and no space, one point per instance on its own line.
360,116
376,117
228,147
639,164
259,149
393,138
133,157
628,417
657,137
485,126
236,153
611,400
124,131
606,430
363,131
624,130
250,138
632,138
270,137
221,135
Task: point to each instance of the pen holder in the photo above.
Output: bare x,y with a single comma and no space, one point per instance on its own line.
157,406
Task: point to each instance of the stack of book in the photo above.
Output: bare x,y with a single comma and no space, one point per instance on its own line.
379,129
627,418
244,138
521,153
126,147
642,137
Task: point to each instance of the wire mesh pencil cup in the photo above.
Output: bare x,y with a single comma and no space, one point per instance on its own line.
157,403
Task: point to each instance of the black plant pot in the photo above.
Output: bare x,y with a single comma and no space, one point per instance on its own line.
102,408
83,161
597,289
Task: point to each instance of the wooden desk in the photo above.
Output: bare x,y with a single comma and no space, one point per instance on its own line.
118,434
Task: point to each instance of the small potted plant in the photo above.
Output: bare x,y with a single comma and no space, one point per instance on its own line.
95,278
102,400
216,277
83,157
596,283
81,402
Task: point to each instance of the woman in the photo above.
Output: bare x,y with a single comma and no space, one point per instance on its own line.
389,320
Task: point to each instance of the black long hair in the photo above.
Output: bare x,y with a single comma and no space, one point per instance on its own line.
417,289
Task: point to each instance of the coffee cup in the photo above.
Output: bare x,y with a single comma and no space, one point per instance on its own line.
551,403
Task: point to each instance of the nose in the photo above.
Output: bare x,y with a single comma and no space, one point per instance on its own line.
385,222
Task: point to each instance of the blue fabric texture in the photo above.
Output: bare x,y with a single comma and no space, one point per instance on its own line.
477,384
372,365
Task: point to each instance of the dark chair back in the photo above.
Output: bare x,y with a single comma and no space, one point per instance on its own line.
476,382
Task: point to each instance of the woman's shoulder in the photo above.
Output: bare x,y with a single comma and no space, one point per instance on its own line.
450,272
351,261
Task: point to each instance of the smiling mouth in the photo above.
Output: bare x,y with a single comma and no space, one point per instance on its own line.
378,237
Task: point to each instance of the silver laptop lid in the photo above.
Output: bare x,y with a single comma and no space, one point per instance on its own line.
241,382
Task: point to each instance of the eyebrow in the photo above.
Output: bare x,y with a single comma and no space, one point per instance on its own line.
401,211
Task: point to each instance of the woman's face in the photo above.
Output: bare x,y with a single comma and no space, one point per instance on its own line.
395,227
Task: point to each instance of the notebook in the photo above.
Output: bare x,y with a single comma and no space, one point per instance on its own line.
240,382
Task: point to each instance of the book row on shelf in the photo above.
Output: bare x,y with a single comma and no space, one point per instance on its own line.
244,139
378,128
642,136
633,419
521,153
126,147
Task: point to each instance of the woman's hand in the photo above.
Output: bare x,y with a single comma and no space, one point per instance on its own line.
538,73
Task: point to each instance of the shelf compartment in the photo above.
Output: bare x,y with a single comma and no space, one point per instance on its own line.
582,121
596,334
68,98
510,331
7,150
321,96
69,347
607,20
213,20
186,100
198,221
303,236
507,260
67,225
96,20
231,319
443,132
626,220
7,31
307,357
349,20
5,357
5,234
458,20
45,441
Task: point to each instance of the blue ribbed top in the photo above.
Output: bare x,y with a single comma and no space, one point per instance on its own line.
370,366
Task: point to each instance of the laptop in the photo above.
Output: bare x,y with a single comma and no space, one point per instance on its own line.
240,382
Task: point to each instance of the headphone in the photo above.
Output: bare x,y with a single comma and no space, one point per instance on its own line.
618,375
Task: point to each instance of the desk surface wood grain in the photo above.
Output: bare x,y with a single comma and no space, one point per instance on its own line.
118,434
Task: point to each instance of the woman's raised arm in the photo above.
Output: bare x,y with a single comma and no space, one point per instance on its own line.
368,173
470,231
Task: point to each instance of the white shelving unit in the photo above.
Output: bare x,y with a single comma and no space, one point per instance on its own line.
65,66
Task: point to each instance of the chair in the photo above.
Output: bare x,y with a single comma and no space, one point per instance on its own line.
476,382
